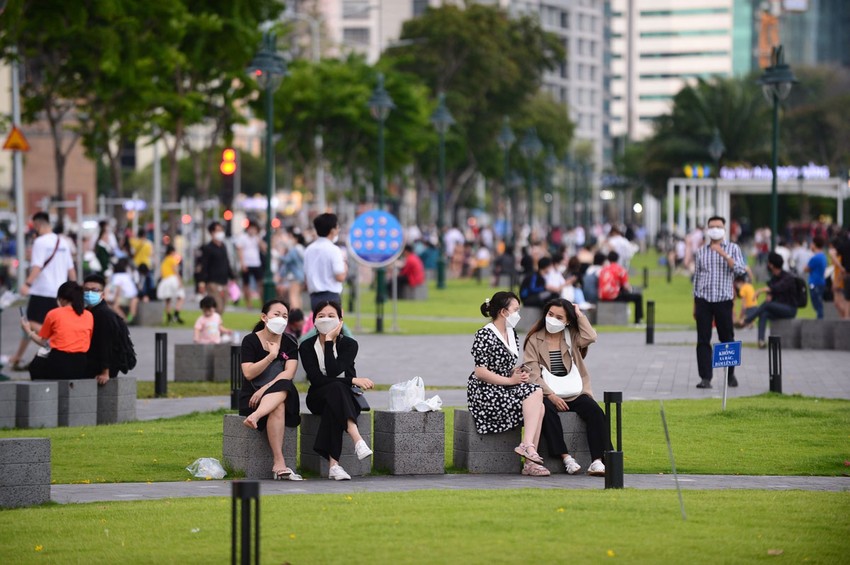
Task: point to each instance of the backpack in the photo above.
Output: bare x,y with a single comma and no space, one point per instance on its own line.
801,295
526,286
122,354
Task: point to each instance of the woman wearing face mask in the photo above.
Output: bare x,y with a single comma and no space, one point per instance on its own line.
499,394
559,339
328,358
268,397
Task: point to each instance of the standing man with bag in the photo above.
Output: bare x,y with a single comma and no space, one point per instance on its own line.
51,264
715,267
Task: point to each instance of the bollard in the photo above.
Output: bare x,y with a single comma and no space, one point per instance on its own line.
669,272
244,492
160,384
774,360
614,459
645,278
650,322
235,375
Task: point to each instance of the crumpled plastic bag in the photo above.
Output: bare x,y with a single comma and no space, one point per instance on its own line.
405,395
433,404
207,468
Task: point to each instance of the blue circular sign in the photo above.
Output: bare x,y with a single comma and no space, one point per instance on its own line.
376,238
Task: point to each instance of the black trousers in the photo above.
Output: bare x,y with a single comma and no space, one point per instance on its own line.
336,405
637,299
598,438
58,365
721,314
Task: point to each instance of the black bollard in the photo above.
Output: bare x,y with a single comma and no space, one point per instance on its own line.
774,360
160,384
614,459
650,322
235,375
669,272
645,278
244,492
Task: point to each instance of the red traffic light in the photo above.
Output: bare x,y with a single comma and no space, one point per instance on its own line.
228,162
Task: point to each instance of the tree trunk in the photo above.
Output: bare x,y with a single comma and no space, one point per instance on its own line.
56,118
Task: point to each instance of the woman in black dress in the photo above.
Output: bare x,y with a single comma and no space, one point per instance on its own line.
328,359
268,397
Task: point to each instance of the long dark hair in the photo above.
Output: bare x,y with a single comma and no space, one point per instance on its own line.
73,293
540,325
265,310
323,303
499,301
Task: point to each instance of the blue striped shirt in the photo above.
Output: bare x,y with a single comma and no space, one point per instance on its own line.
713,277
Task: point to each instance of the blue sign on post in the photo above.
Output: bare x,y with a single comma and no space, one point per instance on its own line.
376,238
726,355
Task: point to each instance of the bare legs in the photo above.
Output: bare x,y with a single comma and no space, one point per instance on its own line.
354,432
532,415
271,405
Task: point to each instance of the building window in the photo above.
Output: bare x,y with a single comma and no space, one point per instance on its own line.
581,46
580,71
563,94
356,36
355,9
565,20
592,70
685,33
684,54
684,12
419,7
563,70
592,45
649,97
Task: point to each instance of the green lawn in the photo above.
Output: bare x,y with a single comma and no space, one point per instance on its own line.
546,526
762,435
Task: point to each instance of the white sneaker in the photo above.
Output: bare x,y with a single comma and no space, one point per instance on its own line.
596,469
362,450
571,465
337,473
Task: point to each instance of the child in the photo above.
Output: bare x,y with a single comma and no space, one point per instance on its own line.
745,291
208,327
295,325
122,291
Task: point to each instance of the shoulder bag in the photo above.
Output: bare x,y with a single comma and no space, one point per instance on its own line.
566,386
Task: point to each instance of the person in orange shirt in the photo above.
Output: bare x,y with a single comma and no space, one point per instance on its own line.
747,293
67,330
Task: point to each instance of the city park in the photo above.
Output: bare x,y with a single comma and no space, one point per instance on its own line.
793,440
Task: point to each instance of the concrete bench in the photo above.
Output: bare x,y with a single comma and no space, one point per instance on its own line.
829,312
312,461
78,402
410,443
841,335
816,334
24,471
575,436
610,313
150,313
202,362
247,451
484,454
528,316
8,404
419,292
789,330
37,404
116,401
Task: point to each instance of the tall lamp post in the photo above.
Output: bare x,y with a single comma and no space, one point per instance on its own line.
380,106
550,163
442,120
530,147
268,68
776,83
716,150
506,140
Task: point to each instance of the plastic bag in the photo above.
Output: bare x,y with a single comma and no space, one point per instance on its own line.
207,468
433,404
405,395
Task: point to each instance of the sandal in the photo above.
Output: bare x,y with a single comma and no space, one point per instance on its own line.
529,453
282,475
534,470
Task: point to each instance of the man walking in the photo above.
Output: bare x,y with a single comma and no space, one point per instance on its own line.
324,265
715,266
214,271
250,249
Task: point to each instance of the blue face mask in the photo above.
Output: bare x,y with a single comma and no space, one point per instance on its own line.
92,298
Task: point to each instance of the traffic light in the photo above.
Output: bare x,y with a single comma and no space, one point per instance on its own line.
228,162
230,173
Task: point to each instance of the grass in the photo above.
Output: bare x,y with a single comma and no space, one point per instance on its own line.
761,435
547,526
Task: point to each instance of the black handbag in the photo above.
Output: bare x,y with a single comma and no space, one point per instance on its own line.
360,398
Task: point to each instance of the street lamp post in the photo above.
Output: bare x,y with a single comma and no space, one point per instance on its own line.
268,68
442,120
506,140
530,146
380,105
776,83
716,150
550,163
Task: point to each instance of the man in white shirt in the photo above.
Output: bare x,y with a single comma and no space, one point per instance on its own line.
51,264
324,265
249,247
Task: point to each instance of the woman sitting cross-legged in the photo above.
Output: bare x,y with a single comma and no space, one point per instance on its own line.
556,342
268,397
328,359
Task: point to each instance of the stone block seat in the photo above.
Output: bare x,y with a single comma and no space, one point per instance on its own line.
8,404
789,332
816,334
575,436
841,335
150,313
24,471
312,461
419,292
609,313
37,404
202,362
247,451
78,402
116,401
484,454
410,443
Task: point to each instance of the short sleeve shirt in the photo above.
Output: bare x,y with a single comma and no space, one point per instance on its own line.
817,269
54,273
250,247
68,331
252,349
208,328
323,260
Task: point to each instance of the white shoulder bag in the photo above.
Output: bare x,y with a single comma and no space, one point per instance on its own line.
567,386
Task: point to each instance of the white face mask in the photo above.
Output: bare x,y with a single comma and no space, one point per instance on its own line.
554,325
513,319
218,236
276,325
326,325
715,234
335,238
